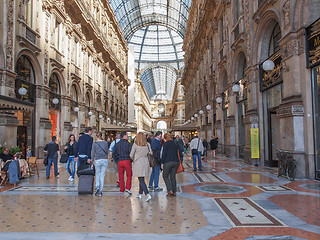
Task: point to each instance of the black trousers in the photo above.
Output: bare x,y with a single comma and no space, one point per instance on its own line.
169,175
142,186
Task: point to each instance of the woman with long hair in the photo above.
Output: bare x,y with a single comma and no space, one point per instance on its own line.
170,161
99,155
141,167
71,150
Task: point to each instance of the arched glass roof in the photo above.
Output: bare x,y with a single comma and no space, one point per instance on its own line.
156,29
159,82
154,44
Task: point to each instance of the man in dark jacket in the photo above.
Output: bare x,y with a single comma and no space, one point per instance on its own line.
156,148
121,154
84,147
5,155
52,150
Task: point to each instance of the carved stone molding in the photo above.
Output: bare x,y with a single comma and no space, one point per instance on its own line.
45,123
294,110
9,30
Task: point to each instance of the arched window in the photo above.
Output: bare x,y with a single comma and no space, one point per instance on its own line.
88,103
274,40
25,70
54,84
161,110
74,93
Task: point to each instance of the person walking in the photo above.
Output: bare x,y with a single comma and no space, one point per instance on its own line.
180,144
205,147
140,165
52,151
115,165
213,146
71,149
84,147
170,161
121,155
100,159
156,148
196,147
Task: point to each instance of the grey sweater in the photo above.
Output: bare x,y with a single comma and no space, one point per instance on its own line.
97,153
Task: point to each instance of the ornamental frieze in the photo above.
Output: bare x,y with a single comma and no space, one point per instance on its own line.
296,110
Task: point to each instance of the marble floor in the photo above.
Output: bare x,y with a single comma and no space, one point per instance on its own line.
227,200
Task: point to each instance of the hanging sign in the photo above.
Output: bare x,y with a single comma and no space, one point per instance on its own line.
254,142
313,44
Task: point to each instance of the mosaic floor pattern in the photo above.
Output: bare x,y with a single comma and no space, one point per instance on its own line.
228,200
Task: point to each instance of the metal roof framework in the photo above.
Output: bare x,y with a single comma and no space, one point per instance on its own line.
156,29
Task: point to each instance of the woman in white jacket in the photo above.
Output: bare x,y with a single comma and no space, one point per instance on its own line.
140,165
197,149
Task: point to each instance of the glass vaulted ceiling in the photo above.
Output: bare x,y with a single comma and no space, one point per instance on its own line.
156,30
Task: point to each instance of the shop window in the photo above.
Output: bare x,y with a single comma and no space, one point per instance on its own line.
25,79
274,40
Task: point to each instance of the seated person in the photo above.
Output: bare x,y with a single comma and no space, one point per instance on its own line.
5,155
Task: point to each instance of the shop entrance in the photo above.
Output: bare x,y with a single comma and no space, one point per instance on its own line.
274,137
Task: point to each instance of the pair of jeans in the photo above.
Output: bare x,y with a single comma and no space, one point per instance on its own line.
73,166
142,186
101,166
195,161
55,163
170,170
82,160
154,178
125,165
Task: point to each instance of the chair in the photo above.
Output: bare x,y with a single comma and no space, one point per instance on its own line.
3,174
32,164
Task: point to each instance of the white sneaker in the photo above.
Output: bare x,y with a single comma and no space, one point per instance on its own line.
71,179
129,192
148,198
139,196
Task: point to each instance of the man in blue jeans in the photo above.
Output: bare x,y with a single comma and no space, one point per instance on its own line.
156,148
196,146
52,150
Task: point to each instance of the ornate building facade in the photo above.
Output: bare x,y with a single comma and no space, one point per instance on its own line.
225,46
63,66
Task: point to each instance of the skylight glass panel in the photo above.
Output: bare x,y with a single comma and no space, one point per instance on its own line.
155,44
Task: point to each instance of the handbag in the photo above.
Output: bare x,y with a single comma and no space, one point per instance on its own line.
45,160
180,167
152,161
64,158
86,169
195,151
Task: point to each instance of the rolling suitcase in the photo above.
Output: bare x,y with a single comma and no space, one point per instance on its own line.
85,185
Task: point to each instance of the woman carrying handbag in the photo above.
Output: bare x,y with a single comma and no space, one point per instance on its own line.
170,161
140,165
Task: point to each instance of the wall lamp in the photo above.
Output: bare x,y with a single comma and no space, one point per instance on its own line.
208,107
76,109
219,100
200,112
100,116
90,113
236,88
195,115
22,91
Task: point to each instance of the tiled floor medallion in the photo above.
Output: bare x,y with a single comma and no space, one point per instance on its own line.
274,188
221,189
207,177
311,186
244,212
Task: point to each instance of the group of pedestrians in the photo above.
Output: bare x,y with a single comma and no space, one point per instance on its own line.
129,160
199,147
